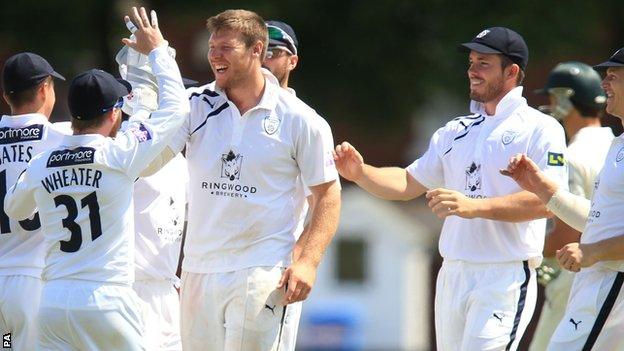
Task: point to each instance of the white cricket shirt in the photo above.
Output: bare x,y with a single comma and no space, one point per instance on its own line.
244,210
21,138
585,156
83,188
159,209
466,155
605,214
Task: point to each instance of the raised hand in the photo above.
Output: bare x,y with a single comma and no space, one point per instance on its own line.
148,35
349,162
529,177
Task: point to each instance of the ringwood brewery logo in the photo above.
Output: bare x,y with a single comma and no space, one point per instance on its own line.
271,124
10,135
231,164
71,157
473,177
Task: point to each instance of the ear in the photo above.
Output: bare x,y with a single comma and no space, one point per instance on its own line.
293,60
512,71
257,49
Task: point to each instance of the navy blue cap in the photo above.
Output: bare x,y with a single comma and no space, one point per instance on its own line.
25,70
93,92
616,60
500,40
282,35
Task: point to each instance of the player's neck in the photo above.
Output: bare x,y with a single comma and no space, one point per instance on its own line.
248,93
575,122
29,108
490,106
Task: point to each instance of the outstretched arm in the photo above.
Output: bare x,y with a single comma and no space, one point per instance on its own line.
390,183
570,208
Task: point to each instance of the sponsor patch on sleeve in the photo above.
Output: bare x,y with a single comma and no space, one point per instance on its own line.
140,133
555,159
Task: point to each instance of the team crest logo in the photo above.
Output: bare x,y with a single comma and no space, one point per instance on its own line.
231,165
271,124
473,177
620,155
483,33
508,137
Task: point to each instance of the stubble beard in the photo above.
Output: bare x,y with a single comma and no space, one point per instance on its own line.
492,91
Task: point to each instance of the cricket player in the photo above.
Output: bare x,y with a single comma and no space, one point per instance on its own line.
159,215
28,89
493,236
593,316
83,190
577,100
247,143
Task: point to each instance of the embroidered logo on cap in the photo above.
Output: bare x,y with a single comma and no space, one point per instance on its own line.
483,33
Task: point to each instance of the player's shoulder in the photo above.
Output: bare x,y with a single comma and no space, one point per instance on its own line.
533,118
461,123
290,106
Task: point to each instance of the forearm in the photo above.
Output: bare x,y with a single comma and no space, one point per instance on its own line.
389,183
517,207
570,208
322,227
611,249
559,236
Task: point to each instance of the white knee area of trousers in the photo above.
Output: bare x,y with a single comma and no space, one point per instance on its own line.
241,310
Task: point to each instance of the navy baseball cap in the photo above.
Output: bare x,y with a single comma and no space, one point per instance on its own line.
616,60
25,70
282,35
94,92
500,40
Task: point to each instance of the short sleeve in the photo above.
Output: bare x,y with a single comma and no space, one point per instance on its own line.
313,151
427,169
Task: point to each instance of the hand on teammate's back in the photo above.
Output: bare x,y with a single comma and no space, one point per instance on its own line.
148,35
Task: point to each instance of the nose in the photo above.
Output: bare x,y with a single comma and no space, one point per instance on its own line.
214,53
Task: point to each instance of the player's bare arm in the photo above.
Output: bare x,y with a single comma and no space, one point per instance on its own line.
390,183
560,235
517,207
570,208
301,275
575,256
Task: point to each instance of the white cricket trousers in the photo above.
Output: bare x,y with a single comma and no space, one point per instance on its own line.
557,293
237,311
483,306
19,306
594,318
84,315
161,314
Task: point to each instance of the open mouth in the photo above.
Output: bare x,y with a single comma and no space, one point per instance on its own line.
220,69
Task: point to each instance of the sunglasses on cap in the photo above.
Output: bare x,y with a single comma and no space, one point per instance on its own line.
118,105
277,51
276,33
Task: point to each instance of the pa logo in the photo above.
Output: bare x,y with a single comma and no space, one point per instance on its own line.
271,124
231,165
620,155
508,137
483,33
6,341
473,177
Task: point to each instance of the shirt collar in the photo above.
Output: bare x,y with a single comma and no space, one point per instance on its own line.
31,117
81,139
269,96
512,100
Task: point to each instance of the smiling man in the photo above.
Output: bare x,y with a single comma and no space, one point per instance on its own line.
249,144
492,236
593,319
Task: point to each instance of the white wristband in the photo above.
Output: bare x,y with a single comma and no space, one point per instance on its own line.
570,208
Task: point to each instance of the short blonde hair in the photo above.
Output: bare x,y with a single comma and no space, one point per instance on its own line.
248,23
